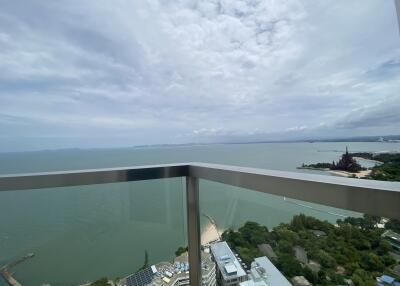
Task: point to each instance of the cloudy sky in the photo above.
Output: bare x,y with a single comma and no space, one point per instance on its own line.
130,72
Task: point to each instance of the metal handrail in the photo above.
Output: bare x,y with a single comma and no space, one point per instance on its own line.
30,181
366,196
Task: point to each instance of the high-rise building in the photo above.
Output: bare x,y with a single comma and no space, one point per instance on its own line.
229,271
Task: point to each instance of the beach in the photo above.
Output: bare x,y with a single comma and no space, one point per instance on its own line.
360,174
209,234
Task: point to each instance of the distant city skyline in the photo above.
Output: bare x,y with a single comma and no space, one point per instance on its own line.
112,74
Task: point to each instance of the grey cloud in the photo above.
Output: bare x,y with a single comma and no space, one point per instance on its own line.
386,70
160,70
384,114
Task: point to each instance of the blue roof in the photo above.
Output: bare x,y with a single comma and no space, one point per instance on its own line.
387,279
396,284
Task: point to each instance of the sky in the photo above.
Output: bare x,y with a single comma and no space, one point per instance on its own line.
100,73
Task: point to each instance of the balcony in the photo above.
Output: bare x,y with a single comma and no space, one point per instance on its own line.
354,195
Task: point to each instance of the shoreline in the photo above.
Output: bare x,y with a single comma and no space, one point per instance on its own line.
359,175
209,234
313,168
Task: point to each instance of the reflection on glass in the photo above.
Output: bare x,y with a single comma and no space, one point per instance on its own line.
79,234
281,241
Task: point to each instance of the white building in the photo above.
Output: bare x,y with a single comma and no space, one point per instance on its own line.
264,273
172,274
229,270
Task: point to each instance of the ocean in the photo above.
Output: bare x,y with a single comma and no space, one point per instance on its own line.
79,234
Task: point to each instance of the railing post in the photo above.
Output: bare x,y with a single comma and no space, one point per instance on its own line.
397,4
193,227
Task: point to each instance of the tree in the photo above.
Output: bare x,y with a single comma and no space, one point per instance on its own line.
101,282
356,244
393,224
311,276
234,238
298,222
248,254
388,260
384,247
254,233
336,278
361,244
322,277
372,262
371,220
181,250
326,260
283,232
289,265
285,247
361,277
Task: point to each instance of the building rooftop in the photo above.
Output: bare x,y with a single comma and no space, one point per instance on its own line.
300,281
167,273
387,279
301,254
227,262
267,250
264,273
392,235
318,233
141,278
230,268
316,267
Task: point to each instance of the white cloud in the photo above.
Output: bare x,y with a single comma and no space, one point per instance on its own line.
157,70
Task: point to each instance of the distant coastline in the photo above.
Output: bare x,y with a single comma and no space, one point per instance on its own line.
378,138
387,166
366,139
360,174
